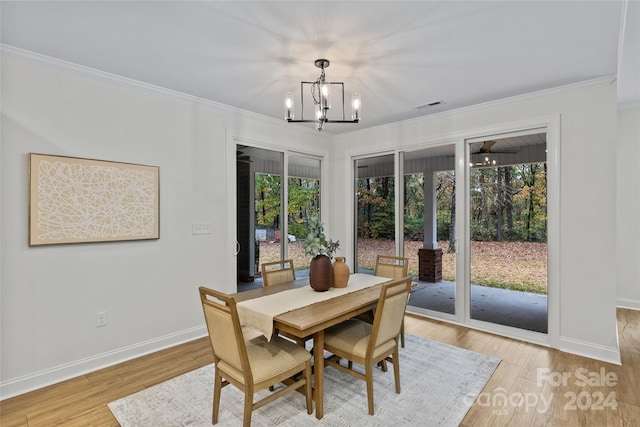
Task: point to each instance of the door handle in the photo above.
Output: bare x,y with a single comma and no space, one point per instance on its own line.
237,248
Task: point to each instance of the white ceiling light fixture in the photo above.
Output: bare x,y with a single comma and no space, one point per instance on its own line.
320,92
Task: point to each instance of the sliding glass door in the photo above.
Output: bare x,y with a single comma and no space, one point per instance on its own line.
258,213
429,226
263,233
472,216
375,210
507,199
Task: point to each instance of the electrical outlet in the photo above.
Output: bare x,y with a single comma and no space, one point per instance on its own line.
201,229
101,319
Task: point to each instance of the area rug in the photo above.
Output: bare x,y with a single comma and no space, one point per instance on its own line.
439,383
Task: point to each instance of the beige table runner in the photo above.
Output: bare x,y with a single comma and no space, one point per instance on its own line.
259,312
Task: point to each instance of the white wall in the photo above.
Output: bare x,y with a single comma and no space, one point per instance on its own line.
628,208
50,295
586,257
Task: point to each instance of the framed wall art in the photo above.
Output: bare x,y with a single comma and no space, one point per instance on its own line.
75,200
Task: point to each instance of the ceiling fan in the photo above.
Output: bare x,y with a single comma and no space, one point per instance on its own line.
486,149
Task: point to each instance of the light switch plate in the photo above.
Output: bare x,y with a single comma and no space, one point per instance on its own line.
201,228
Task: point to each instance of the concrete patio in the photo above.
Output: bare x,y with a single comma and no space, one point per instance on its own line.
501,306
522,310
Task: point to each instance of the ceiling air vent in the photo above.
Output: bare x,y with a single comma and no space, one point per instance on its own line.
430,104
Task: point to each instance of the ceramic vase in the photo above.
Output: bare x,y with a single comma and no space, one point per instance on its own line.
340,273
320,273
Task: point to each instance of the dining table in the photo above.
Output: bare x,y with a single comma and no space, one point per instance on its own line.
270,309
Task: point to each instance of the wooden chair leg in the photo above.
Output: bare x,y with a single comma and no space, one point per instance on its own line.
217,388
396,370
369,380
248,407
402,334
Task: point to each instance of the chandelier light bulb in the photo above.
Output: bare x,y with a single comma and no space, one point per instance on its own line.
324,97
288,106
355,106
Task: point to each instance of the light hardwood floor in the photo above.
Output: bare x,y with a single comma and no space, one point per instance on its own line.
527,373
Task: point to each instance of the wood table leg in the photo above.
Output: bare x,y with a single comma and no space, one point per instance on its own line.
318,372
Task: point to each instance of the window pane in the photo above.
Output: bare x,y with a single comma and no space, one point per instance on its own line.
375,212
508,231
304,202
429,226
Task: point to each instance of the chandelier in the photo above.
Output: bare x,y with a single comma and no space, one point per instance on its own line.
320,91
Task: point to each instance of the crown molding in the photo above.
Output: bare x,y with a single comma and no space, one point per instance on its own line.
8,50
599,81
11,51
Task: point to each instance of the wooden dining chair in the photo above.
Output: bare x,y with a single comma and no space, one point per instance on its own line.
281,272
250,364
393,267
366,344
277,272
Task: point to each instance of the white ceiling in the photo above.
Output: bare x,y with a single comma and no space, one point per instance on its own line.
398,55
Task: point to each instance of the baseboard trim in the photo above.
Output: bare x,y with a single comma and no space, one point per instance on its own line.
590,350
61,373
628,303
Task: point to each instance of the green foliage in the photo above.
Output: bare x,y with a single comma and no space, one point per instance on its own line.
445,208
298,229
316,242
376,208
267,203
414,195
332,247
509,203
414,205
414,227
443,221
303,202
520,287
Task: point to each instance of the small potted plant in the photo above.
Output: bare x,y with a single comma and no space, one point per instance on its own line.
321,251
